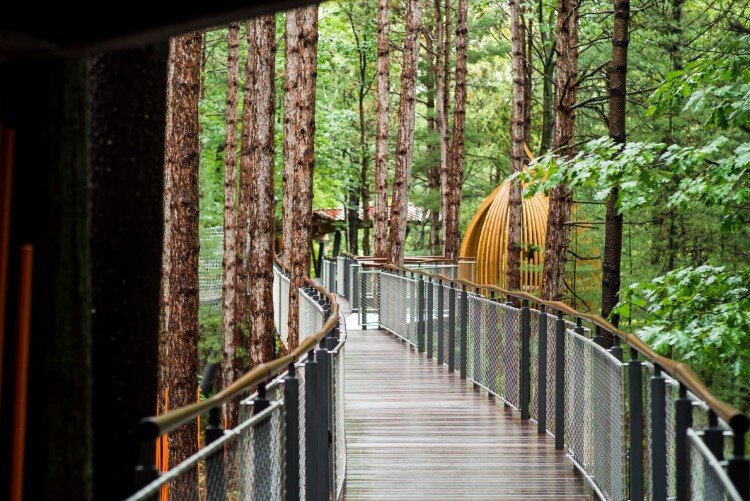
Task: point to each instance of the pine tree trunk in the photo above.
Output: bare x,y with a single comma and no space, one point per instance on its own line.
456,165
430,81
301,71
561,198
440,120
261,195
381,135
179,341
364,155
617,131
249,115
229,268
405,137
527,89
352,219
444,114
517,155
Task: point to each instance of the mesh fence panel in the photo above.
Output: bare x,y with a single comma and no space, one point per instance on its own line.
337,406
369,290
708,479
340,283
245,463
595,414
302,430
311,316
398,307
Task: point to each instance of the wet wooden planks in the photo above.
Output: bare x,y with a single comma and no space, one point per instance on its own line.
415,431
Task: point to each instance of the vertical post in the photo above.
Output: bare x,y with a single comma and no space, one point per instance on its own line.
559,382
464,327
525,372
440,322
683,421
291,426
363,298
452,328
658,436
739,466
713,436
542,372
312,429
635,383
598,338
354,285
420,314
616,349
323,431
145,472
215,479
430,316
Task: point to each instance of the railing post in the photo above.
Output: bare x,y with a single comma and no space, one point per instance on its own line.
291,426
452,328
658,436
713,436
355,285
560,382
464,328
525,372
542,372
616,349
261,449
739,466
145,472
363,298
215,479
440,322
323,421
312,428
430,322
420,314
683,421
635,383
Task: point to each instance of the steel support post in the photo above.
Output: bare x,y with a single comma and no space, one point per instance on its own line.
452,328
683,419
525,372
430,316
542,373
739,466
464,328
420,314
312,429
291,428
440,322
145,472
323,430
658,436
635,384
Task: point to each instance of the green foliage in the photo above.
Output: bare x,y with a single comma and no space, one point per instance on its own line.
700,315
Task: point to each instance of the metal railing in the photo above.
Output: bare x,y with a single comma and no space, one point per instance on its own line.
645,428
290,441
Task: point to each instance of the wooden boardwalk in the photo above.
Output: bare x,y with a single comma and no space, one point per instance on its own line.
415,431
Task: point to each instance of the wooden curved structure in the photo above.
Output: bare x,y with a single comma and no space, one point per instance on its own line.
486,239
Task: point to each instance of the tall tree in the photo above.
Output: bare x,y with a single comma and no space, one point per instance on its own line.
617,94
381,134
229,268
178,345
561,197
458,148
430,81
443,111
405,137
518,133
299,153
261,194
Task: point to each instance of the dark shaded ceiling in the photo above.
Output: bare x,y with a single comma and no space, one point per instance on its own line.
34,30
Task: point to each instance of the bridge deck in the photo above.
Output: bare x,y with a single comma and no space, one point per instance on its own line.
415,431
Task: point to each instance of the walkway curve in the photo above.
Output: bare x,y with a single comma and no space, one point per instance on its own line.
416,431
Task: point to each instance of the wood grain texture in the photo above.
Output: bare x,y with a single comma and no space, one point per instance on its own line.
416,431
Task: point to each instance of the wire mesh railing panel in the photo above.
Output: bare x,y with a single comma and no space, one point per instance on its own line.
672,393
338,358
340,273
534,364
283,307
551,374
369,290
708,479
301,419
311,315
245,463
595,414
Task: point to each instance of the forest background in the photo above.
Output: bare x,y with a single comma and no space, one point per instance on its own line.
684,193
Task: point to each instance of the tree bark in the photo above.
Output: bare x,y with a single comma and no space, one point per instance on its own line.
527,88
561,197
517,155
301,72
433,168
229,268
381,135
458,147
444,113
352,219
405,137
261,195
617,131
179,341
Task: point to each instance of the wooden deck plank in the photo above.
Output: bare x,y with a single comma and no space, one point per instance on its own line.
416,431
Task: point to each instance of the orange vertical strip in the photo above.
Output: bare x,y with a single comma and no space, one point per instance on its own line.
18,438
165,451
7,148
